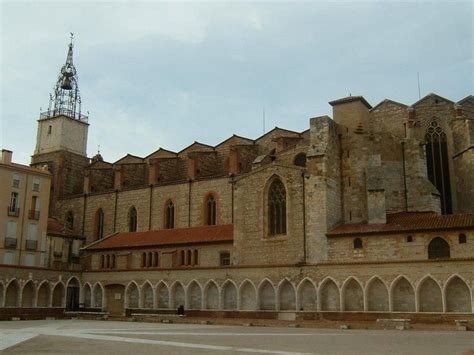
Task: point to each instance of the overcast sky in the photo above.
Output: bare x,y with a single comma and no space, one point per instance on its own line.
157,74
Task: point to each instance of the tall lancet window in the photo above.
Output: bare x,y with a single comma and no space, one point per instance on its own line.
99,224
210,210
438,164
277,208
169,215
132,220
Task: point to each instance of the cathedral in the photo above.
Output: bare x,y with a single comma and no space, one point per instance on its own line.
368,211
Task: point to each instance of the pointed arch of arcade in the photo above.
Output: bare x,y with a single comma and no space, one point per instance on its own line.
266,295
352,295
429,295
229,295
12,293
28,294
286,295
2,294
177,295
212,295
98,296
457,295
329,295
402,295
247,296
147,295
194,295
87,295
307,295
162,292
59,295
376,295
132,295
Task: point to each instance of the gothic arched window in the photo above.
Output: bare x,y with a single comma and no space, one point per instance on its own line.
437,163
70,220
132,219
210,210
277,208
169,215
99,224
438,248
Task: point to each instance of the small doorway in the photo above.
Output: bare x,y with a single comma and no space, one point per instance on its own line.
72,296
115,299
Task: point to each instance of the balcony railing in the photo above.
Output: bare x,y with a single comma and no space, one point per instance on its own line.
13,211
33,214
10,242
63,112
31,244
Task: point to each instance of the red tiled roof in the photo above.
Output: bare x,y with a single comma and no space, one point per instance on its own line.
408,221
202,234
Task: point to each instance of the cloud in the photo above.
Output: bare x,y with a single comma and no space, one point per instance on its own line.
165,74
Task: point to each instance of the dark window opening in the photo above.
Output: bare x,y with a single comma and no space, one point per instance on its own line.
99,224
357,243
277,208
70,220
132,220
462,238
437,162
225,259
300,160
409,239
169,218
211,210
438,249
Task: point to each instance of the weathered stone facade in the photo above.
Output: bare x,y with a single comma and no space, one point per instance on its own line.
350,230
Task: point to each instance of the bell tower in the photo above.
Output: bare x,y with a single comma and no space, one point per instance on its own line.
61,140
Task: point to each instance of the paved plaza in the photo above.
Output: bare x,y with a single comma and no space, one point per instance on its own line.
107,337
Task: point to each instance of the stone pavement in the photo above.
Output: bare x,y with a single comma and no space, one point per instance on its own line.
106,337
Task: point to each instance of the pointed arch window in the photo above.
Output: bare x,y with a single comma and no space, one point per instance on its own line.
70,220
211,210
438,249
437,163
277,208
99,224
169,215
132,219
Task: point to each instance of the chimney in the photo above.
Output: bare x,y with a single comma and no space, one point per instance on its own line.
6,156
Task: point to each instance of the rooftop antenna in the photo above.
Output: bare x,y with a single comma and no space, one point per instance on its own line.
419,91
263,119
98,149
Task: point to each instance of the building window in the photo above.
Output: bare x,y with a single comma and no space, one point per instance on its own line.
70,220
462,238
357,243
182,258
16,180
50,129
277,208
195,257
437,162
438,249
300,160
99,224
409,239
210,210
132,219
188,257
14,201
36,185
225,258
169,215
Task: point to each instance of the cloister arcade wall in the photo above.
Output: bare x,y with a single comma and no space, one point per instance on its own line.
397,287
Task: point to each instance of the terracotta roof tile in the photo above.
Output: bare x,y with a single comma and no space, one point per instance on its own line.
162,237
408,221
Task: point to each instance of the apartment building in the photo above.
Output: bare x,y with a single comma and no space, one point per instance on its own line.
24,203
